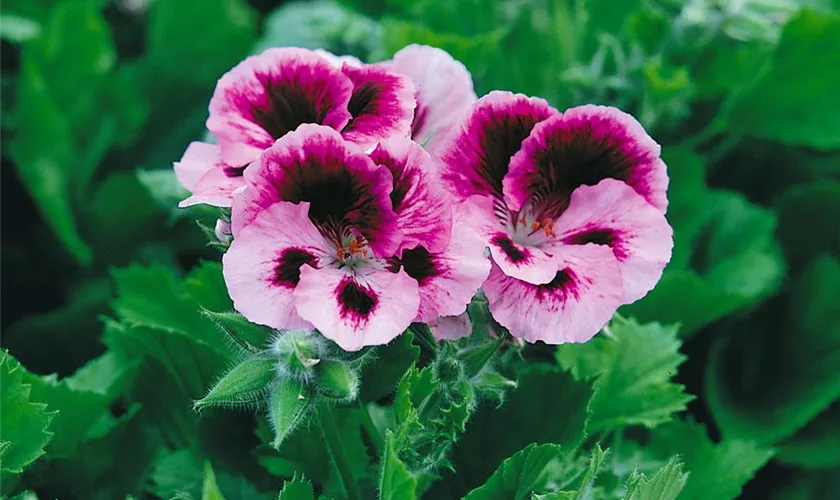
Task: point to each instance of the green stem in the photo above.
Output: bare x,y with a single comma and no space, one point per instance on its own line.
332,439
372,432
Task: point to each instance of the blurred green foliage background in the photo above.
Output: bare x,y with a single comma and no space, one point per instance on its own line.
100,96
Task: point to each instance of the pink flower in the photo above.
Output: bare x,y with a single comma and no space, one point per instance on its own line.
269,95
444,91
571,206
356,246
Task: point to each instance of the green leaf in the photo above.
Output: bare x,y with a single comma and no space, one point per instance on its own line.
24,427
299,488
246,384
541,391
18,28
817,445
289,405
795,345
153,297
634,371
395,481
210,491
43,166
666,484
240,330
380,377
519,475
795,100
804,211
589,476
319,24
718,470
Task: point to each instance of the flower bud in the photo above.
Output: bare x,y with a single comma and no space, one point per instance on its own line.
335,380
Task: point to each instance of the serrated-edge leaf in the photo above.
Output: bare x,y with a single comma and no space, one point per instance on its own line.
395,481
518,475
299,488
666,484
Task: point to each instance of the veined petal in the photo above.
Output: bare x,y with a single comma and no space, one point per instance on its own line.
263,265
582,147
202,172
524,262
613,214
381,105
476,154
314,164
357,310
572,307
269,95
424,214
444,91
448,279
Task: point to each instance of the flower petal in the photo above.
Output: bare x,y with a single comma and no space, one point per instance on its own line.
424,214
357,310
263,265
451,327
338,61
314,164
476,154
581,147
197,160
381,106
449,279
269,95
573,307
523,262
215,188
612,213
444,90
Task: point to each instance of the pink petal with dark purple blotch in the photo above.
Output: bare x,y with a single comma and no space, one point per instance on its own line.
524,262
612,213
215,188
269,95
263,265
381,106
444,91
448,279
476,154
573,307
424,214
357,310
343,186
581,147
451,327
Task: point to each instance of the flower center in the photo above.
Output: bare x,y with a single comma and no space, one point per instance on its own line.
352,250
529,228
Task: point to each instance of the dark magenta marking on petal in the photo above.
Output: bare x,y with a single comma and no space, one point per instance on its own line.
363,99
404,178
421,115
559,289
356,302
576,152
506,245
287,270
233,172
288,107
420,264
599,236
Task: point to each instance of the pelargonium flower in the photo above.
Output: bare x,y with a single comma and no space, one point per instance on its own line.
355,245
571,206
269,95
444,90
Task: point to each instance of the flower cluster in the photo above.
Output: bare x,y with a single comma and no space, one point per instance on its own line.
363,198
